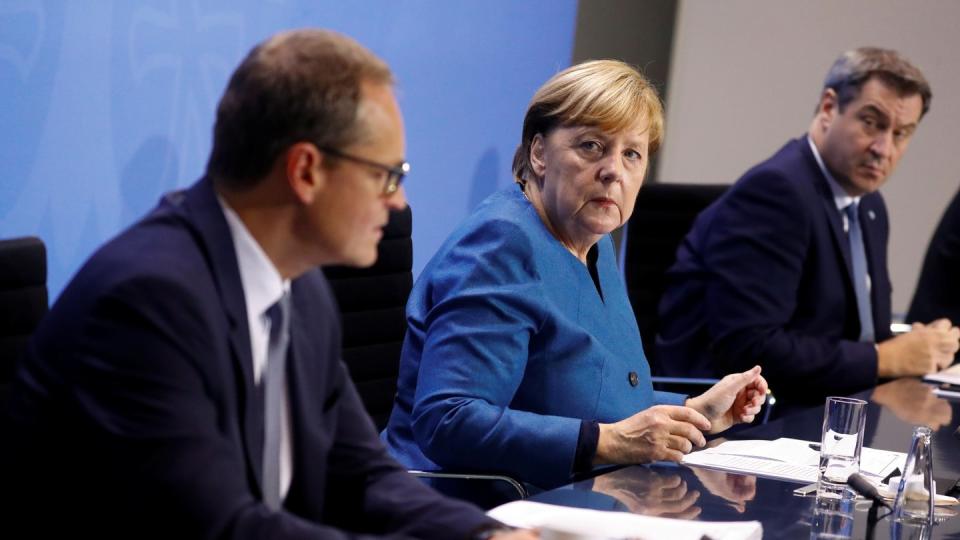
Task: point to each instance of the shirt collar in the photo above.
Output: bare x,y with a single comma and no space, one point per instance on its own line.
840,197
262,284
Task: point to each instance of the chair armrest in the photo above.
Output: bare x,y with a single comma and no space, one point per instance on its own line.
520,489
684,381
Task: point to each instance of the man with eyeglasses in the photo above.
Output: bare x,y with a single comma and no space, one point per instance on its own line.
187,383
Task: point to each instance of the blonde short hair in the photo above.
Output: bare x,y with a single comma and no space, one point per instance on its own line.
609,94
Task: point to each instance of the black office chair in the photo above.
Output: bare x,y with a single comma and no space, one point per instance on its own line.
372,305
661,220
23,300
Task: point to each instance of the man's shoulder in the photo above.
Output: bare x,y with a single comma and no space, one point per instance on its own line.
790,174
163,251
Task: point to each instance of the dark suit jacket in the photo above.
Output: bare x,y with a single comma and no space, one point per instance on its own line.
135,412
938,291
763,278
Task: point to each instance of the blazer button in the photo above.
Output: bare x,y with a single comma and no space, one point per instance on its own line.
633,378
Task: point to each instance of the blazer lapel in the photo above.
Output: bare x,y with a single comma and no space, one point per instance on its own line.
206,215
839,236
833,216
303,393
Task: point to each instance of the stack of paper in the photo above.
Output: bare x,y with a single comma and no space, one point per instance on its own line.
786,459
949,381
619,525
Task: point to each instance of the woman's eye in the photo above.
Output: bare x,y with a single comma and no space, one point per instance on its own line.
633,155
591,146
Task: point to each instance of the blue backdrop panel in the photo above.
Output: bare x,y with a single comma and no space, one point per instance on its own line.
106,105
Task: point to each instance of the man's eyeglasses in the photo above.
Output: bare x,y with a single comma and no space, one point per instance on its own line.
395,175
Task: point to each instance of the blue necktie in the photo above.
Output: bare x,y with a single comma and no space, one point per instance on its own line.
276,382
858,256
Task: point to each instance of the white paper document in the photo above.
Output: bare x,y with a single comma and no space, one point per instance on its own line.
607,525
951,375
786,459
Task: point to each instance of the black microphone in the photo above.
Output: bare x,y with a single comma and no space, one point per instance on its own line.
863,486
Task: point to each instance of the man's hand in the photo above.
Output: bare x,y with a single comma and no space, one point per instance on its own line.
736,398
662,432
924,349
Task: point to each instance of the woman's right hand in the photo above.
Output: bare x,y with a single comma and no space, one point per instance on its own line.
662,432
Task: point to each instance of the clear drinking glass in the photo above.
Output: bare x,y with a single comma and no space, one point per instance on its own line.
843,422
911,504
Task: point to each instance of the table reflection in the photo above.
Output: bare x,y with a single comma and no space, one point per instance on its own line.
652,493
736,489
833,517
671,490
914,403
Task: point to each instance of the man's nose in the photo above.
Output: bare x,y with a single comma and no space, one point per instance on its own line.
882,144
397,200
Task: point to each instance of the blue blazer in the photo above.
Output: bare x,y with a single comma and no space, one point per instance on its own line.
763,277
135,413
510,347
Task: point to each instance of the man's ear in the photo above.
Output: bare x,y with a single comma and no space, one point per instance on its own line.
537,162
304,170
828,108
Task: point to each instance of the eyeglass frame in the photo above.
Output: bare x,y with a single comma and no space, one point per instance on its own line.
395,174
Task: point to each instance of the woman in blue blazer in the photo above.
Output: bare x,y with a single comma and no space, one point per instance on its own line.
523,354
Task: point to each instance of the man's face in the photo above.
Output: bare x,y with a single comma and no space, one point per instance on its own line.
348,219
862,145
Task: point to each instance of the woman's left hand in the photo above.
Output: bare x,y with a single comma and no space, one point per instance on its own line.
736,398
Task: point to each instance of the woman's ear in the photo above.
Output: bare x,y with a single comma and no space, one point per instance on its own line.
537,162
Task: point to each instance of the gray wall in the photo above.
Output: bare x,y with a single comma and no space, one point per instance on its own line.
745,77
640,33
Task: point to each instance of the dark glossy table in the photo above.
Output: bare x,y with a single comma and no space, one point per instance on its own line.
671,490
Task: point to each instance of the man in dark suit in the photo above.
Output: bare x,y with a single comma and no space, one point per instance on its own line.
788,269
187,383
938,289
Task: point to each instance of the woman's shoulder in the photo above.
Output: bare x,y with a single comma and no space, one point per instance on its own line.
497,242
504,221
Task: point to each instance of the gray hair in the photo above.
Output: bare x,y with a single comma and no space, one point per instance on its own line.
855,67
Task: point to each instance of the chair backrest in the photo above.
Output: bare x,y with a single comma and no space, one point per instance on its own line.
372,308
661,220
23,300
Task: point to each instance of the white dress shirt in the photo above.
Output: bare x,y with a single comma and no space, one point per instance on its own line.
262,287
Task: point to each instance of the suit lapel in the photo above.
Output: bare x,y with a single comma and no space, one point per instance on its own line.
204,212
302,389
829,206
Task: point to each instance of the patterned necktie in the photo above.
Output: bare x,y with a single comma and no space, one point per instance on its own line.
276,381
858,257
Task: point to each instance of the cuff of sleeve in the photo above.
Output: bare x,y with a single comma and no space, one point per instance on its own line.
586,446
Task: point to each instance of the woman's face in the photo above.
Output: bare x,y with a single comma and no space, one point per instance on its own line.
590,178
